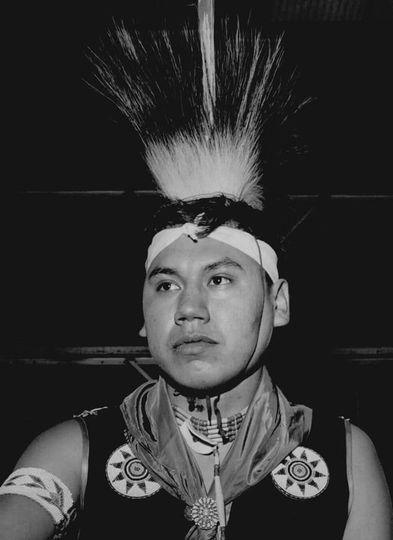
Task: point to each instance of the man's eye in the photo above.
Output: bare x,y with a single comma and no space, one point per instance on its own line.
220,280
165,286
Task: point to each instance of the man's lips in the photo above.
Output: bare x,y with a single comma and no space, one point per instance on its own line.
193,339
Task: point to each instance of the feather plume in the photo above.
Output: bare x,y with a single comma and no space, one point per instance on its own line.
206,34
202,135
189,166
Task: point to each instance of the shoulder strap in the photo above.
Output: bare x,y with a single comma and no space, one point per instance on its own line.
85,460
80,418
348,441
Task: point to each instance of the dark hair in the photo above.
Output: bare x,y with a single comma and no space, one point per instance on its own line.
212,212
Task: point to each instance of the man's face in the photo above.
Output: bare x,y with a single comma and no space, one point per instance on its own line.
208,314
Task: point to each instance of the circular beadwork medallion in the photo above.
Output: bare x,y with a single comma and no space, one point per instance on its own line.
303,474
204,513
128,476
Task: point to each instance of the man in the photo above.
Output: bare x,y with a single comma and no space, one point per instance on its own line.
213,449
210,310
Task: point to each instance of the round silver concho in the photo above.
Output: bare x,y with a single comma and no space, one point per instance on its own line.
204,513
128,476
303,474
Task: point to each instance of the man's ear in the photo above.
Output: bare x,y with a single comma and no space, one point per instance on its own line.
142,331
281,302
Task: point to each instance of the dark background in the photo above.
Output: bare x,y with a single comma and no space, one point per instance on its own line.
76,196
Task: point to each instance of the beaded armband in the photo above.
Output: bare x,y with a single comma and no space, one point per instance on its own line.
47,490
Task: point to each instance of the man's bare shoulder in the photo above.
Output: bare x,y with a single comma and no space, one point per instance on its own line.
59,451
371,512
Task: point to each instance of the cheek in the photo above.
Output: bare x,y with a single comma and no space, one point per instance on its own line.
154,322
242,319
252,310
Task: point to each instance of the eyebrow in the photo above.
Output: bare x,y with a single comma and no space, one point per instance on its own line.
162,270
225,262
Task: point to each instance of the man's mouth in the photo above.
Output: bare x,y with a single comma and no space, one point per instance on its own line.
193,344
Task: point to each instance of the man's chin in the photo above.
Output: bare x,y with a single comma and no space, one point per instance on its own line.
201,385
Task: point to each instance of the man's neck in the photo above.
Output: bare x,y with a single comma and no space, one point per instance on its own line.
229,402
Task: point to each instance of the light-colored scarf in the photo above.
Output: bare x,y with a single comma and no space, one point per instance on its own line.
271,429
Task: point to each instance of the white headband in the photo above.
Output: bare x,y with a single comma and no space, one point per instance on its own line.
258,250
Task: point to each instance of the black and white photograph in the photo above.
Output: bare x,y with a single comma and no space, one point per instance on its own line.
197,278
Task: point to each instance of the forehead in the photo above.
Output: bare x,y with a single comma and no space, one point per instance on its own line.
185,255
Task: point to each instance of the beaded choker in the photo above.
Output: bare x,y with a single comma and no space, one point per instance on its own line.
219,431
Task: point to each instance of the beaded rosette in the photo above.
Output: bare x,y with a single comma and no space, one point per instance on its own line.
303,474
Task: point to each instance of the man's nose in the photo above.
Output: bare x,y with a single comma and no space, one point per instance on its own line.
192,305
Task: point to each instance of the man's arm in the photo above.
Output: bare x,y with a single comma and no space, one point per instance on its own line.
370,516
58,451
